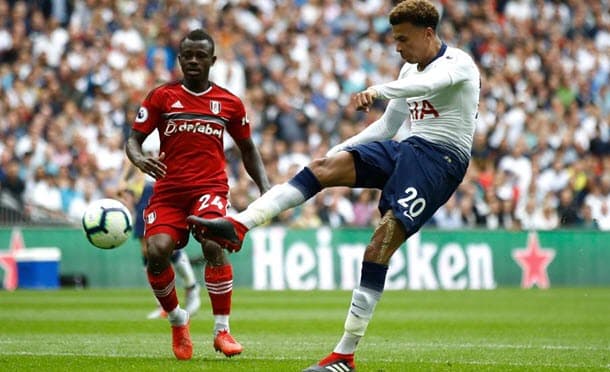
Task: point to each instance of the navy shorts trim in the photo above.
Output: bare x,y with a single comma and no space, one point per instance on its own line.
416,177
138,225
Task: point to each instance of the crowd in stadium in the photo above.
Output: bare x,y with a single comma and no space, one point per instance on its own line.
72,74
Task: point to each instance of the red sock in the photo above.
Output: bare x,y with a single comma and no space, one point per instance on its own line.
219,281
164,288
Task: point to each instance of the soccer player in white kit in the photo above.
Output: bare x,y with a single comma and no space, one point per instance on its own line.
437,94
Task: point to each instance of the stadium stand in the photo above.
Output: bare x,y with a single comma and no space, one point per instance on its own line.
73,72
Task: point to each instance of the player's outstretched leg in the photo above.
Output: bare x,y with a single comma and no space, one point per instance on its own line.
229,232
334,362
225,231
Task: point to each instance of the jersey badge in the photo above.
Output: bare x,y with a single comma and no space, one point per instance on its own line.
151,217
215,107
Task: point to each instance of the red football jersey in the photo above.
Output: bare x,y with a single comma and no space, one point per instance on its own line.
191,128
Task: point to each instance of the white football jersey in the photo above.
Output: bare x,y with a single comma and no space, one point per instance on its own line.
441,101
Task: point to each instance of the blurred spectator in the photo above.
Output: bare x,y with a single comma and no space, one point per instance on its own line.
12,188
308,217
229,72
81,199
526,216
586,218
519,165
545,217
449,216
603,220
494,218
339,208
467,212
365,208
553,179
568,209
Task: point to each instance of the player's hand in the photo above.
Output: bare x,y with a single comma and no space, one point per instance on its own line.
364,100
153,166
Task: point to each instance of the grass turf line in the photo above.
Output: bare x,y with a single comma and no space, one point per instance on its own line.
501,330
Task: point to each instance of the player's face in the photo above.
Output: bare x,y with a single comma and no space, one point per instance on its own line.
196,57
412,42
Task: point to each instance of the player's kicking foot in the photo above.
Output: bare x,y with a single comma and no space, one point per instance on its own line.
225,231
181,341
225,343
334,363
193,300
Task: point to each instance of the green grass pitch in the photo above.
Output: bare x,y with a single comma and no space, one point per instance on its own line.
501,330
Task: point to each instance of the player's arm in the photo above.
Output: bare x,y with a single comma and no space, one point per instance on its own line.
381,129
414,85
253,163
151,165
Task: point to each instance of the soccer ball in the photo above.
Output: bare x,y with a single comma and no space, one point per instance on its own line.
107,223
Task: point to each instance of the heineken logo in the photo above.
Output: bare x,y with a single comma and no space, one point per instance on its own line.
327,264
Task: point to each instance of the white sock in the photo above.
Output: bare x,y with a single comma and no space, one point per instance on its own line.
221,323
185,270
178,316
278,199
360,313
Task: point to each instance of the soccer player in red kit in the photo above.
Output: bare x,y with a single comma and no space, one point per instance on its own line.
192,116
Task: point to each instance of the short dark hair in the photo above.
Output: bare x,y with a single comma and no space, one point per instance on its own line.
198,34
421,13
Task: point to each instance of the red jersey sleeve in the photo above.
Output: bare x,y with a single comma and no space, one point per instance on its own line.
149,114
239,126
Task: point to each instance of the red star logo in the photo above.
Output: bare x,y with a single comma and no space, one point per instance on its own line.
8,263
534,262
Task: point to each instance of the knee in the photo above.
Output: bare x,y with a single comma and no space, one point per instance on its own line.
319,167
158,255
337,170
331,172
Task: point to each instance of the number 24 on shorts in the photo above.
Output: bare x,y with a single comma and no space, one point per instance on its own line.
208,200
413,205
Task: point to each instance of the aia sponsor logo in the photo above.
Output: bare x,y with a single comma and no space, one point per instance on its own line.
191,126
419,110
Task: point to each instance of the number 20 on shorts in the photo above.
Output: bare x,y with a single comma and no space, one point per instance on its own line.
413,205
